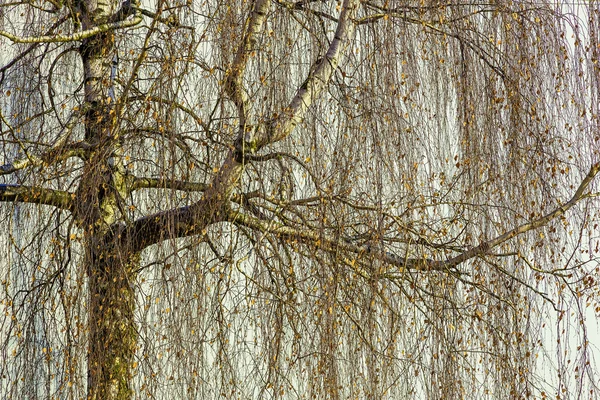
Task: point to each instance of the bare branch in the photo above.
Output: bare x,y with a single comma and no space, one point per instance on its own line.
233,81
326,242
161,183
36,195
59,150
302,6
30,48
75,36
485,247
212,207
176,104
314,84
175,223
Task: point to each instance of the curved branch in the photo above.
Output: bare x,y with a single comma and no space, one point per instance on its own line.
173,103
326,242
30,48
76,150
60,150
36,195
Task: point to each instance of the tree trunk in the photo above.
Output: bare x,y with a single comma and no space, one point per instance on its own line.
112,333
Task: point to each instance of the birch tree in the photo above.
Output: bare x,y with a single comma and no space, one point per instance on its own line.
298,199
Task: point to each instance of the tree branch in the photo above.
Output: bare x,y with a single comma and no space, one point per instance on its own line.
161,183
323,241
170,102
327,242
174,223
312,87
75,36
59,150
214,205
303,6
485,247
235,73
36,195
76,150
30,48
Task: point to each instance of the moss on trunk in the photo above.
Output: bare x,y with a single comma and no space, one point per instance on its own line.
112,332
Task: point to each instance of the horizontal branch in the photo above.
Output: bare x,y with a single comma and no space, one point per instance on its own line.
36,195
161,183
136,183
171,21
76,150
169,102
60,150
31,48
19,165
175,223
193,220
323,241
75,36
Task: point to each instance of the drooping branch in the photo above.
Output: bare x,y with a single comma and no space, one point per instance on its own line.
160,183
36,195
413,15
